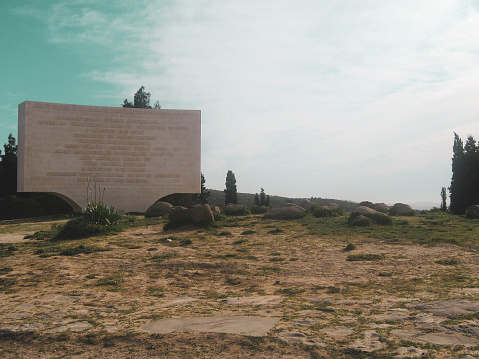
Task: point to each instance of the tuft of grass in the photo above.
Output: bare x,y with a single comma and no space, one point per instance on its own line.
349,247
113,280
269,269
276,231
249,231
164,256
365,257
225,233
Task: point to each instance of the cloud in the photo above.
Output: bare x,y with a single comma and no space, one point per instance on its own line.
337,91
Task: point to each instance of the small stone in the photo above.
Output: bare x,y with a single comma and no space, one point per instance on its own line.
79,326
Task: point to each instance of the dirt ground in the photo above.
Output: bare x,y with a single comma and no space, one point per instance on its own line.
93,305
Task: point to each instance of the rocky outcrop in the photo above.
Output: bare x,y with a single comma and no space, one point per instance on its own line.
199,213
235,210
286,211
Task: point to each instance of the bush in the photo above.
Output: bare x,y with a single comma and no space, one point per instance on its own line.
81,227
259,209
238,211
97,211
12,207
319,211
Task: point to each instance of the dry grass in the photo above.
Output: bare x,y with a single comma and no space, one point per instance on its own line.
126,281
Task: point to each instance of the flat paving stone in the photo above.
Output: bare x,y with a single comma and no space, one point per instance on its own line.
410,352
297,337
17,315
369,344
446,339
448,308
405,333
338,332
179,301
260,300
246,325
62,298
393,315
20,328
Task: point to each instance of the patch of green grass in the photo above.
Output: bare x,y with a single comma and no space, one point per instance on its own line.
249,231
7,250
269,269
365,257
225,233
156,291
114,281
71,251
276,231
164,256
448,262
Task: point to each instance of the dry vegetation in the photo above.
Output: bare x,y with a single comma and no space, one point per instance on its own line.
329,292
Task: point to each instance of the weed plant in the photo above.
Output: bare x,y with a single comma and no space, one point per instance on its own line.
96,209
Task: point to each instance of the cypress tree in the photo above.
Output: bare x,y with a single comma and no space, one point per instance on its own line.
231,195
464,188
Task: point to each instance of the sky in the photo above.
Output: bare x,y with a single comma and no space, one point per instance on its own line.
344,99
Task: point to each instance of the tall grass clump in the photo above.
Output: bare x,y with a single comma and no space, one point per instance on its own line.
96,209
97,218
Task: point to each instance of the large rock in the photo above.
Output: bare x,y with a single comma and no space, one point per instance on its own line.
401,209
179,214
201,213
380,207
305,203
473,212
158,209
286,211
363,211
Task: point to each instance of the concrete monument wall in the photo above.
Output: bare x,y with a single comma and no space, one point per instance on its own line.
136,155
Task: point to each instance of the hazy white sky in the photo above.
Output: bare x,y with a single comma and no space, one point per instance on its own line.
335,99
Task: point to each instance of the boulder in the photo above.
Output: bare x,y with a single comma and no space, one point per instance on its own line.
367,204
473,212
215,209
363,211
201,213
305,203
158,209
360,221
179,214
380,207
286,211
332,206
401,209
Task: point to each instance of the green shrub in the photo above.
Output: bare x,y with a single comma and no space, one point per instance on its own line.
349,247
80,227
259,209
240,211
320,211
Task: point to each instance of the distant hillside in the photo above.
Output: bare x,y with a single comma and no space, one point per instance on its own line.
217,198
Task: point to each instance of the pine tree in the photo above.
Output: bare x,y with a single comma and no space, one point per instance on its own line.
203,197
231,195
256,199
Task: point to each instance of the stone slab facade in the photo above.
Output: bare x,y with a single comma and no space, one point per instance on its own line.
135,156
